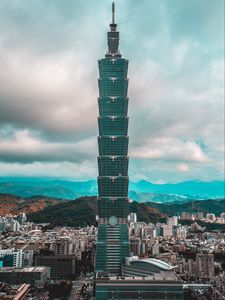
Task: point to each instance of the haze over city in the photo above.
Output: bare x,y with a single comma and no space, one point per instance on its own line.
48,87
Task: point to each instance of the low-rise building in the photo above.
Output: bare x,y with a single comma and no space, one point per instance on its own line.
35,276
62,266
14,292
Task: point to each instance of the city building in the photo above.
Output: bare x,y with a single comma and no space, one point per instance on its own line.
173,221
181,232
134,266
222,215
14,292
152,287
62,266
133,217
35,276
211,217
22,218
200,215
135,246
167,230
2,226
11,258
14,226
113,242
196,228
205,265
9,224
28,257
155,249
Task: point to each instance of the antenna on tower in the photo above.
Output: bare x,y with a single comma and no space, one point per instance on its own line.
113,24
113,13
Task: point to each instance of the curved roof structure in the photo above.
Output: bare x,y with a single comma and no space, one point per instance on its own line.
147,266
158,263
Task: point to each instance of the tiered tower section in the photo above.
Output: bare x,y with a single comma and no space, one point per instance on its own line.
113,241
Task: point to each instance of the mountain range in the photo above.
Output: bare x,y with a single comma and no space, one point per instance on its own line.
140,191
82,211
63,212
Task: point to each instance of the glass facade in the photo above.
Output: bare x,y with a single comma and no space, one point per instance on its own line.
133,290
113,242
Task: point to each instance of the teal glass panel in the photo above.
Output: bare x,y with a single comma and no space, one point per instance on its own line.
113,145
112,166
116,206
113,186
113,106
114,125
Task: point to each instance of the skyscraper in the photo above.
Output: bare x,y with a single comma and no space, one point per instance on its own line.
113,241
135,278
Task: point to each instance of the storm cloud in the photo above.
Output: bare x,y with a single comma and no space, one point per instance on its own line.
48,86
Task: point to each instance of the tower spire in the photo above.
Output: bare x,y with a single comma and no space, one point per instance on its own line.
113,24
113,35
113,13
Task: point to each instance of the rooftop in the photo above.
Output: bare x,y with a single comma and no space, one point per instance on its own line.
151,261
25,270
161,277
159,263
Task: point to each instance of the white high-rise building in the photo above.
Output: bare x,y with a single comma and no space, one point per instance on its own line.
155,249
167,230
222,216
181,232
211,217
14,226
173,221
12,258
133,217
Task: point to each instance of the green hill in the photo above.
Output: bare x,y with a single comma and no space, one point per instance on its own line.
216,206
83,211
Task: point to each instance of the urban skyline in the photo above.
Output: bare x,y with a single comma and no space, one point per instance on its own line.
48,81
146,241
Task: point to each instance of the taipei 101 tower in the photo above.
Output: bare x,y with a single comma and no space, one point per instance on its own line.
113,241
118,275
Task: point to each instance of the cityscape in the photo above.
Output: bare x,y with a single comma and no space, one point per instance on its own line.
59,262
75,238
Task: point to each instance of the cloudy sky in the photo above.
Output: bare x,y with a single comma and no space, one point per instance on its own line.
48,86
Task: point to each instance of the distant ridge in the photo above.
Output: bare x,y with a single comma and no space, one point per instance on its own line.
141,191
83,211
207,206
10,204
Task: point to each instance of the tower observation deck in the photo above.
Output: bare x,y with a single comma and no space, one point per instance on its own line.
113,241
